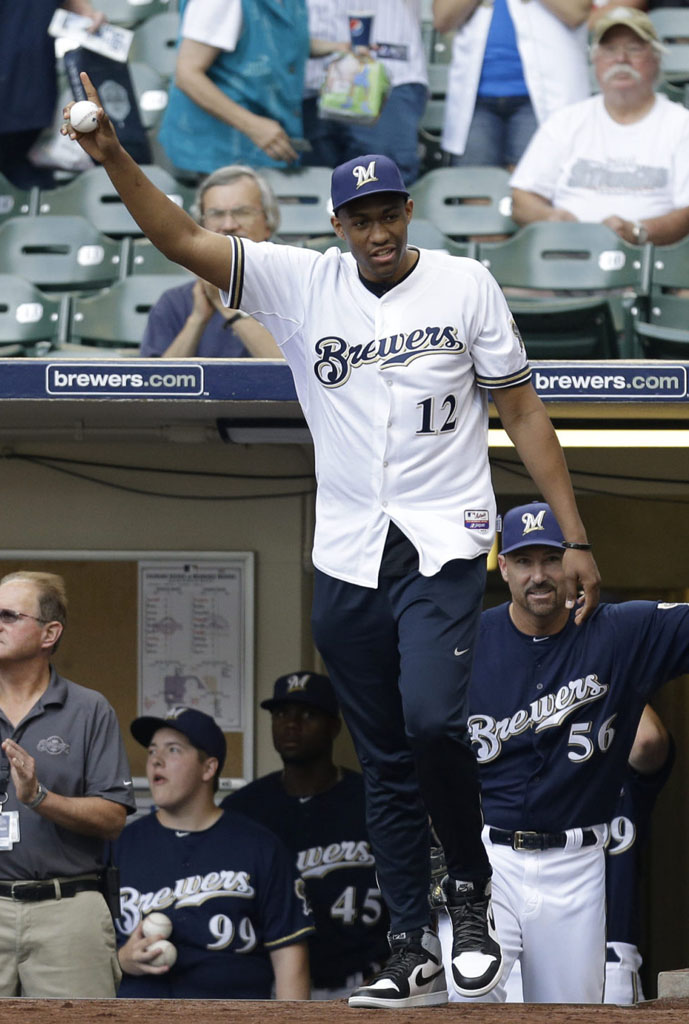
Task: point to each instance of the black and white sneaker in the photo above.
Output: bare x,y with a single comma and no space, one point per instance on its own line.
413,976
476,953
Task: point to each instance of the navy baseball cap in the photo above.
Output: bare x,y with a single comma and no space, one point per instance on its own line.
365,176
527,525
199,728
304,688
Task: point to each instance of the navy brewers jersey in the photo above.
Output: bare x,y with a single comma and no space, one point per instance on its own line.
327,834
553,719
629,829
232,895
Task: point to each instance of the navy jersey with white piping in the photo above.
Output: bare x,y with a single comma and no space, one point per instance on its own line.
553,719
232,895
327,835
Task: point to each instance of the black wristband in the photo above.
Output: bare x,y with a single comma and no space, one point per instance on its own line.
234,319
576,547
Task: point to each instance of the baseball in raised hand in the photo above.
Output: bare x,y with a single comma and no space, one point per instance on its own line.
100,141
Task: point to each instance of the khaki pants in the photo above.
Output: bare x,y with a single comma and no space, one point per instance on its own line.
58,948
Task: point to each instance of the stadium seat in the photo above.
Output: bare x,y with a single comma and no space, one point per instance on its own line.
562,259
304,200
150,89
672,26
129,13
116,317
14,201
466,202
31,323
661,325
59,253
155,43
92,195
144,258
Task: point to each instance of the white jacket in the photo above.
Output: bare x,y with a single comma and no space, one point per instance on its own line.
554,58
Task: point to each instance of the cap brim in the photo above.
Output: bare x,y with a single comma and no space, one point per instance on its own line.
143,729
370,192
533,544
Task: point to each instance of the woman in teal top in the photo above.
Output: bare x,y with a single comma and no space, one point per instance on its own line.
238,85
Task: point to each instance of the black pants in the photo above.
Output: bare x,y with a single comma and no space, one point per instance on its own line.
399,657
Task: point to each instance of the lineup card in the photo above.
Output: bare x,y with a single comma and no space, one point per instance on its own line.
191,639
110,40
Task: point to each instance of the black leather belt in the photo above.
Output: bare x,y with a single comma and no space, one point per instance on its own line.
50,889
532,841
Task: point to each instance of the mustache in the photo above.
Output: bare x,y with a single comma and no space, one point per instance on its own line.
621,68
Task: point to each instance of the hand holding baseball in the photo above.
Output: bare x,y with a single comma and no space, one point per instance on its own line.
139,955
99,141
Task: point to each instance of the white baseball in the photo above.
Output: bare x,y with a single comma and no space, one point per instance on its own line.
167,953
82,116
157,924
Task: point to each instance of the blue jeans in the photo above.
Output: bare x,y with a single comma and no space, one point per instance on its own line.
500,131
394,134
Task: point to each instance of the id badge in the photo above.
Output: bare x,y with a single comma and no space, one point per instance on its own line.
9,829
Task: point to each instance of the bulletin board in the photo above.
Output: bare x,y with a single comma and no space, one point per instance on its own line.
199,651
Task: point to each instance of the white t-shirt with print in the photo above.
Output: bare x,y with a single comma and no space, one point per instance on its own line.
585,162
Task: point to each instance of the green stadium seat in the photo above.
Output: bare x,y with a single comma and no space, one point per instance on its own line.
116,317
31,323
465,202
59,253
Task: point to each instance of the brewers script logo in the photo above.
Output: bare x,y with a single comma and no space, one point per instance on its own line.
338,358
547,712
365,175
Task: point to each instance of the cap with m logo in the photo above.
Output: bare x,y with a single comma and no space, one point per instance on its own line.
528,525
364,176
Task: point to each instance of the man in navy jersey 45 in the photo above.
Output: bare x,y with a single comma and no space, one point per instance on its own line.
393,350
553,712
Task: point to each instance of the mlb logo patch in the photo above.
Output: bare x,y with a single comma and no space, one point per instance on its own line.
476,519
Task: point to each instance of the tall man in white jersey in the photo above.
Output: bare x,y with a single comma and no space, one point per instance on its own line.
393,352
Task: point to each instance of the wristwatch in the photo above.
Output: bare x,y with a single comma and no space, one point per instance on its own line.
41,794
640,233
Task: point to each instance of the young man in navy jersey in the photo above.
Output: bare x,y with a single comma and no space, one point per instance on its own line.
238,911
318,810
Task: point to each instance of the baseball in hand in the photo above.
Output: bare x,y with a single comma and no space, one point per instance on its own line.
82,116
167,953
157,924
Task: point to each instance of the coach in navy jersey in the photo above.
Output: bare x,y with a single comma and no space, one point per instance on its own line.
238,911
318,810
554,709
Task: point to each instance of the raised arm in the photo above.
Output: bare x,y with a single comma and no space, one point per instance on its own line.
451,14
528,425
181,239
571,12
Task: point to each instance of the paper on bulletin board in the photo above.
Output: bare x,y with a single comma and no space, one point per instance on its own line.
193,638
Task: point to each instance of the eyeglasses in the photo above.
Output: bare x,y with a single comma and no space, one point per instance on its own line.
633,50
10,618
240,214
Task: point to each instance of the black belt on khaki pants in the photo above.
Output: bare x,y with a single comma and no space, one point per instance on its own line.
532,841
50,888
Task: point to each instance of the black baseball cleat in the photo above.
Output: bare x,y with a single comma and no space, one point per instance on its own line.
413,976
476,953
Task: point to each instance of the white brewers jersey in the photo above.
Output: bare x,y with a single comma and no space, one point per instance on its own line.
393,390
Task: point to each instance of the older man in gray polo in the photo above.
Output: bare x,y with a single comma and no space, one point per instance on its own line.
65,789
620,157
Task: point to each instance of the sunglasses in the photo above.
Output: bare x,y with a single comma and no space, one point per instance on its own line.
9,618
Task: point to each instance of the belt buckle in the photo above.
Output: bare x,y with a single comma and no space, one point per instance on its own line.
520,841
